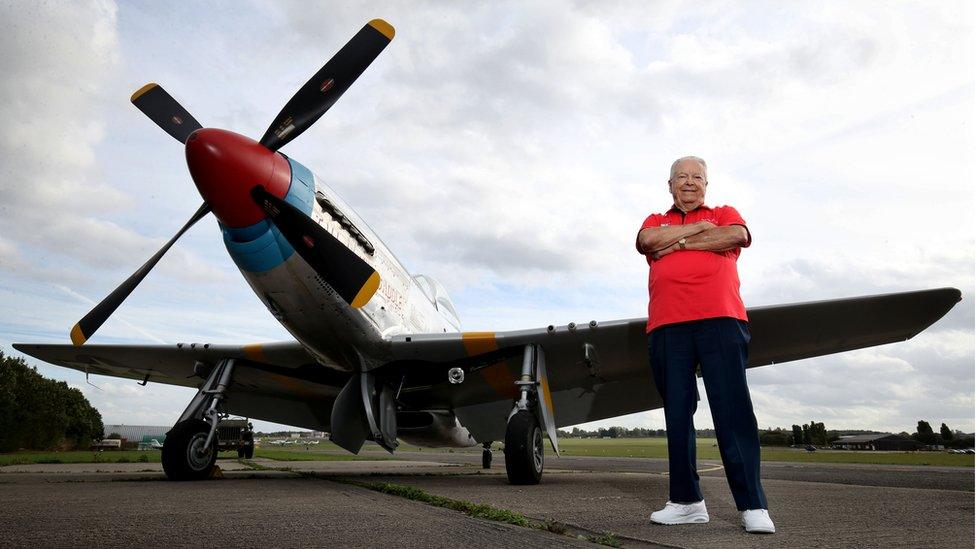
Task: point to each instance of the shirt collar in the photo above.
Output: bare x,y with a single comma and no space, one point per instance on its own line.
674,209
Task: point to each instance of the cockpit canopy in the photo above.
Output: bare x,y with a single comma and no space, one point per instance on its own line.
437,295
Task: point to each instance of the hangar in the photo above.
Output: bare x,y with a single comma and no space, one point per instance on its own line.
877,441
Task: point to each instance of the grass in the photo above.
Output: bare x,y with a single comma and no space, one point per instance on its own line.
476,510
79,456
312,455
29,457
621,447
481,511
708,449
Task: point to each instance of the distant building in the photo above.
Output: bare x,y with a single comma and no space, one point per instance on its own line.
137,433
881,442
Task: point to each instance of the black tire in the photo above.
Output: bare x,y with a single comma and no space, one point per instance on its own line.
249,451
524,451
181,456
486,458
241,454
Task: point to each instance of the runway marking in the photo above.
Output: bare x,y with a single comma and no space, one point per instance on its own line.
701,470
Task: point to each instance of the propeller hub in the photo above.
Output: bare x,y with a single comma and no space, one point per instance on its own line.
225,167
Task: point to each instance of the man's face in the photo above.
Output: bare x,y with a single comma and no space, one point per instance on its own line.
688,185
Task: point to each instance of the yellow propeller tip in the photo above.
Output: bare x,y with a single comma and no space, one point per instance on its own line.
139,93
77,337
385,28
367,291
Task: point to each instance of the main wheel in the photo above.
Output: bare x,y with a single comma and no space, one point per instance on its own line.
524,452
184,456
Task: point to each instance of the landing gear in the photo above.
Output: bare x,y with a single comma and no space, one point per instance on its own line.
486,456
524,453
186,455
530,418
249,446
190,448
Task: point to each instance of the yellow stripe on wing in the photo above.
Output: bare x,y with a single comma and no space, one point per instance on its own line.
255,352
497,376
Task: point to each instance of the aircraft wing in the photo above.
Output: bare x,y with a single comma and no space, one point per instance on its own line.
277,382
595,371
600,370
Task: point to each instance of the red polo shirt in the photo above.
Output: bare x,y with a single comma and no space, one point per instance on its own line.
690,284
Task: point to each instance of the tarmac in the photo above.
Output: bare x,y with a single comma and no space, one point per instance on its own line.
315,503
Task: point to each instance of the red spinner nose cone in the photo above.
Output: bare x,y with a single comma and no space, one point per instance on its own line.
225,167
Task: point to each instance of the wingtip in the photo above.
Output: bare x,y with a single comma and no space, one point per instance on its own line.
141,91
383,27
77,337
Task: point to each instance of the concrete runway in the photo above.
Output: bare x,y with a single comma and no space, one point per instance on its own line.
812,505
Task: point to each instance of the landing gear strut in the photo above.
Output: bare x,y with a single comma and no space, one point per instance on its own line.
531,416
190,448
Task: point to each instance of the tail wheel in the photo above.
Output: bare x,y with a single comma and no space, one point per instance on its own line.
184,455
524,450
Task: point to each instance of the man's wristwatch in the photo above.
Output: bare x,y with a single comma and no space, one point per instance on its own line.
681,243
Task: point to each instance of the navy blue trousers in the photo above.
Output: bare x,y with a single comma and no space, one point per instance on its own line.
720,346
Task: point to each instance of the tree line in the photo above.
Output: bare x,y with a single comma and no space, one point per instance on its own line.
814,433
37,413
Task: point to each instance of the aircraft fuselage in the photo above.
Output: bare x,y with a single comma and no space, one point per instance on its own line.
338,335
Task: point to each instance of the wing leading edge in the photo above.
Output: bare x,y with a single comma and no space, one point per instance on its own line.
596,371
601,370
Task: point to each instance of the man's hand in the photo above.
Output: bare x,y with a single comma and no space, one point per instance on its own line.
719,239
656,239
663,252
715,239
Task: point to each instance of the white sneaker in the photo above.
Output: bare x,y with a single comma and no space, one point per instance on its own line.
679,513
757,521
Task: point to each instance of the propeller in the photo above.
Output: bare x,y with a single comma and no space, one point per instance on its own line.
351,277
318,94
97,316
165,111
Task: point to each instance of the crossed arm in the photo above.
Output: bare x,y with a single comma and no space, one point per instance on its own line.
702,236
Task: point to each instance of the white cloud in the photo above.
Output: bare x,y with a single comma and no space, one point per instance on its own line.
512,151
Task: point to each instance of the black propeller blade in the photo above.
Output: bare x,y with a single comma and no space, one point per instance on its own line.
97,316
351,277
318,94
165,111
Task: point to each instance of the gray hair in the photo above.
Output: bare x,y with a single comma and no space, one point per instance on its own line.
674,166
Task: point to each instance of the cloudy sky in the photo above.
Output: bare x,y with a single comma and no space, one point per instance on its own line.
511,150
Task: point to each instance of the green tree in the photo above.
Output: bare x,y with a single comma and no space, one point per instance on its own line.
946,433
797,435
41,414
806,434
924,433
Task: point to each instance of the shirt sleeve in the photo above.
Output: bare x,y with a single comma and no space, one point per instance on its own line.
653,220
730,216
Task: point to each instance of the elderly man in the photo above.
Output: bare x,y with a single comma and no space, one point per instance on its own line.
696,318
